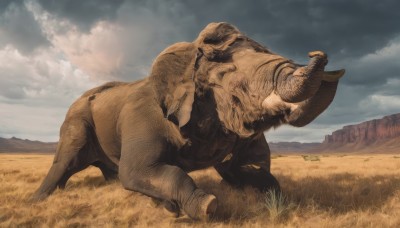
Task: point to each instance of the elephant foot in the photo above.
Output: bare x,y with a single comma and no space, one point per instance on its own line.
201,206
208,207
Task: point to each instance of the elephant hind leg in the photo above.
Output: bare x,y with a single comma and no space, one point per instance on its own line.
67,160
78,163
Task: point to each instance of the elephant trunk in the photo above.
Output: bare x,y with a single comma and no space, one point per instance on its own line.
304,82
309,109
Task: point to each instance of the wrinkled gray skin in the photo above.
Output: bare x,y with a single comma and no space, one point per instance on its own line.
205,103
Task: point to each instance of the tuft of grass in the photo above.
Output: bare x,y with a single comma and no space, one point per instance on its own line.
310,157
278,205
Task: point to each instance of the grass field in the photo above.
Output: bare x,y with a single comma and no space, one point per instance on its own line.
318,191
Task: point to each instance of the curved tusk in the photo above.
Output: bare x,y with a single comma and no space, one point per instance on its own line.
332,76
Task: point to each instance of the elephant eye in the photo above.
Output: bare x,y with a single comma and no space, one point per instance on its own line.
237,41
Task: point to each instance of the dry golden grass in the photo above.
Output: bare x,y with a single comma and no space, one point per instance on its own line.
336,191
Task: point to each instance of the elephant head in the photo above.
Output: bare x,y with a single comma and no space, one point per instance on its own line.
253,88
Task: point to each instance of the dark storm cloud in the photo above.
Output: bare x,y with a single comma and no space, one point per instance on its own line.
343,28
19,27
85,13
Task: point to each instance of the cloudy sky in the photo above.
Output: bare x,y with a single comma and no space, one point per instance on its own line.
53,50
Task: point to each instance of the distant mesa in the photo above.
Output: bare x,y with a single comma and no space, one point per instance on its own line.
378,135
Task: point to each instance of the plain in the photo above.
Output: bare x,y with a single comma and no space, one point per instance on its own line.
328,190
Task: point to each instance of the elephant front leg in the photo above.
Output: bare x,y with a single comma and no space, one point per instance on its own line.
249,166
142,169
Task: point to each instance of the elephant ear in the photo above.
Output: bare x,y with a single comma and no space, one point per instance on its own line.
172,75
215,40
181,103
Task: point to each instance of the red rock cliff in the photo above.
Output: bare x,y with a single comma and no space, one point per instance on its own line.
366,133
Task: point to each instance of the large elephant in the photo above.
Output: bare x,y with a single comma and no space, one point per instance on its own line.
205,103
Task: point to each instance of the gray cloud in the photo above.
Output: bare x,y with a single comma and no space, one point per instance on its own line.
36,91
148,28
6,3
376,68
82,13
30,122
19,28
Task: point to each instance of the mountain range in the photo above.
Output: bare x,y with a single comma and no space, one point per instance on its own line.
24,145
378,135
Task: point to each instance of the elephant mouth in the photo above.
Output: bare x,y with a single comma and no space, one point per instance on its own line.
328,76
332,76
